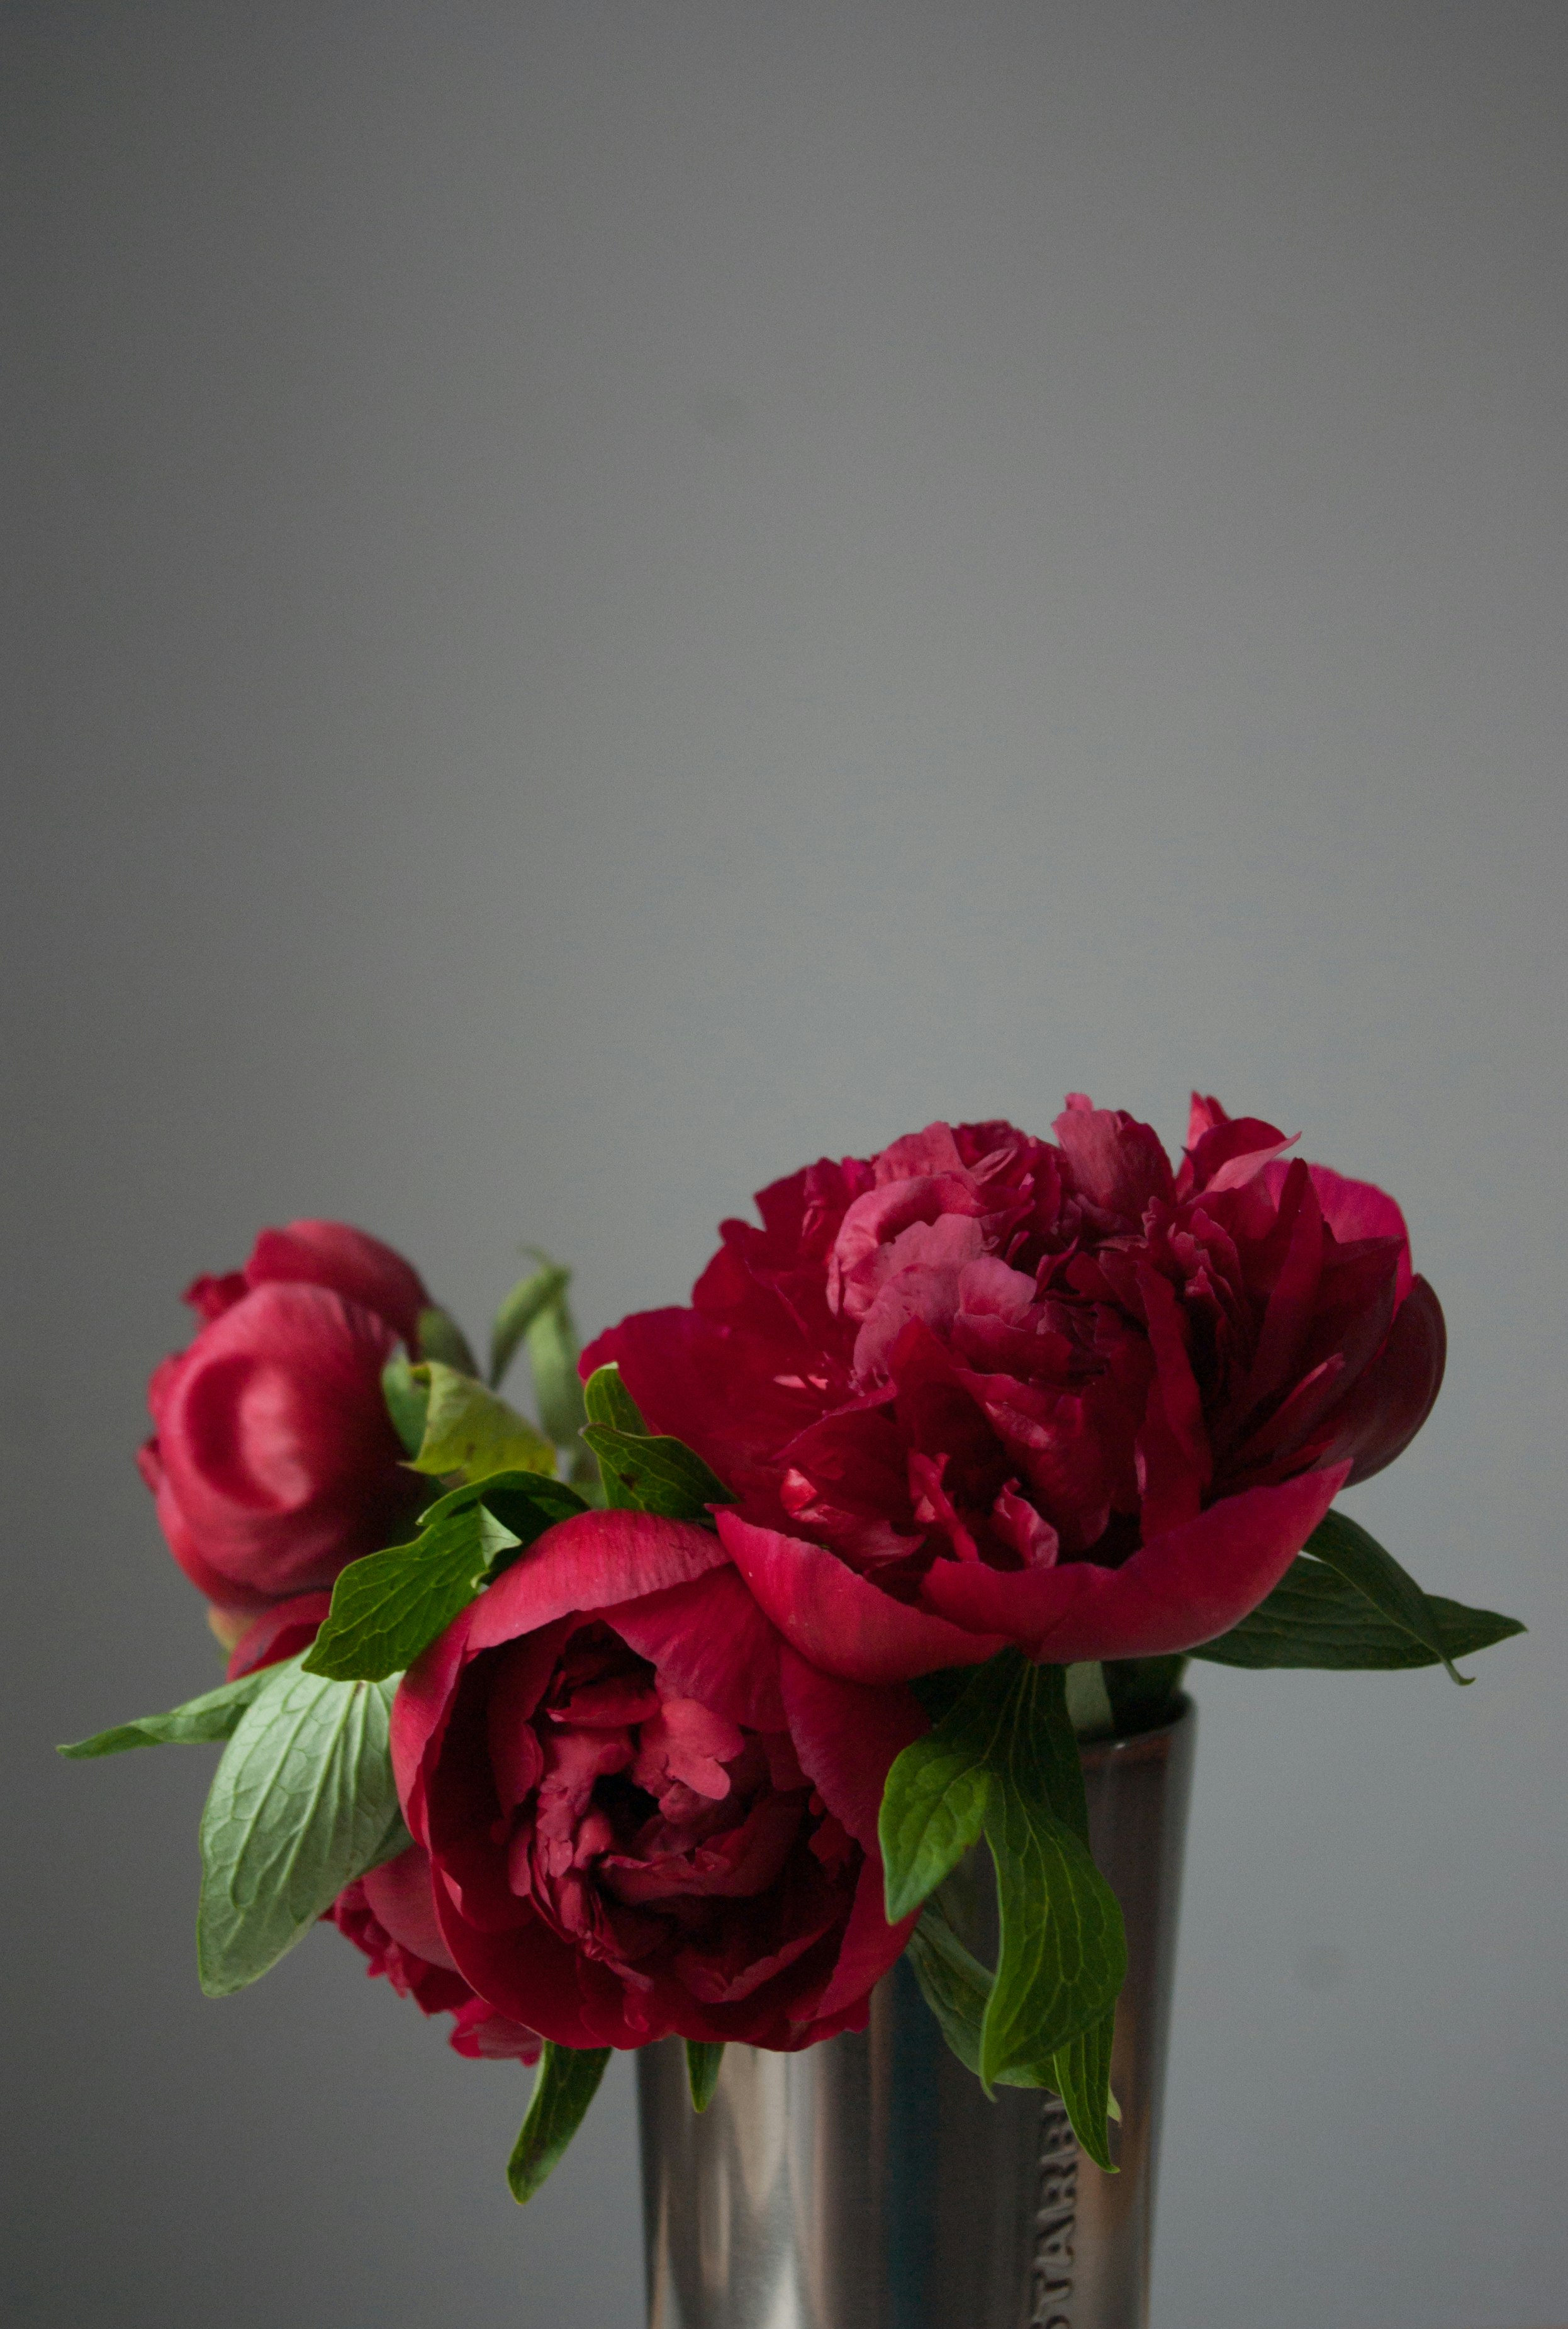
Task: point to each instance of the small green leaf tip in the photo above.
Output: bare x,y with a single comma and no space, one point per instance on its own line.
704,2062
567,2082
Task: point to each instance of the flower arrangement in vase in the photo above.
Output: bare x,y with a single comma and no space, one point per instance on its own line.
673,1714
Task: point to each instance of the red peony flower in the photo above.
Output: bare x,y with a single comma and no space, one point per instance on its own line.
274,1463
645,1814
982,1389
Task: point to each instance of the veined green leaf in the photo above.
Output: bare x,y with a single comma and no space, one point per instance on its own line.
1080,2075
200,1720
567,2082
704,2060
957,1988
442,1338
1345,1546
649,1475
1063,1957
387,1607
607,1401
518,1312
303,1803
469,1430
1315,1617
935,1797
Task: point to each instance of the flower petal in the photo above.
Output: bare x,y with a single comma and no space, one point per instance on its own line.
840,1623
1188,1586
847,1736
589,1562
870,1949
710,1641
346,1261
1393,1398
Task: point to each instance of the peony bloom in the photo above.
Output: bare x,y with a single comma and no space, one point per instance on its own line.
645,1814
983,1389
274,1463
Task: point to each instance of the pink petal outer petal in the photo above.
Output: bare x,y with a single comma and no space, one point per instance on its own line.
420,1711
840,1623
288,1626
399,1896
1355,1210
709,1642
848,1738
1393,1398
870,1949
1183,1588
346,1261
590,1562
530,1976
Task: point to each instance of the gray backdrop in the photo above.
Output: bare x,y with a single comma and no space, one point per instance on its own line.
616,596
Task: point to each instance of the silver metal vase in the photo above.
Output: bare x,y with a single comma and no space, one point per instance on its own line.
867,2183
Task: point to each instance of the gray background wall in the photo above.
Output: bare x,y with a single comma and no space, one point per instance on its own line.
616,595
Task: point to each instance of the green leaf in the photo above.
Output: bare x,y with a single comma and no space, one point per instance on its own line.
214,1715
1063,1956
568,2081
702,2066
957,1988
954,1985
607,1401
1343,1545
303,1803
552,1359
1080,2075
527,1503
522,1306
662,1475
387,1607
935,1796
1315,1617
469,1430
441,1337
408,1402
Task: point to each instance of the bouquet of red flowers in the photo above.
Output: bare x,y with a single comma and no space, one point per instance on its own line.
672,1714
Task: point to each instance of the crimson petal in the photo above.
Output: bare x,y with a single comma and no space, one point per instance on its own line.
840,1623
1182,1588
